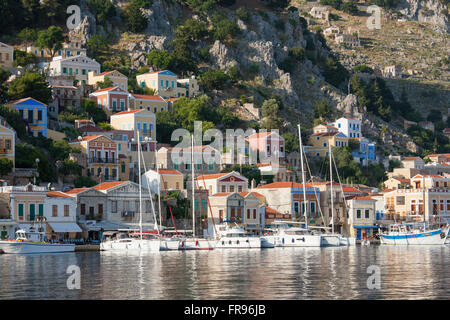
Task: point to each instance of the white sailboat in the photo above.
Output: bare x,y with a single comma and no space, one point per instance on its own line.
335,239
33,242
194,243
288,236
127,243
233,236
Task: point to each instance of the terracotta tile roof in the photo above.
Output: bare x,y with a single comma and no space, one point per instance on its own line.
212,176
271,210
427,176
410,158
76,190
147,97
386,190
106,89
103,73
126,112
351,189
221,194
108,185
88,138
65,87
172,99
164,171
59,194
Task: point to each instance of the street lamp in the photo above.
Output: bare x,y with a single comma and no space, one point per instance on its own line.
37,167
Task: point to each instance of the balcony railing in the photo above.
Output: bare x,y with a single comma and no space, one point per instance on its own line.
103,160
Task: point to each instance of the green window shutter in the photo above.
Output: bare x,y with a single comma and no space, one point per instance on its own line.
204,204
32,212
196,204
41,210
20,209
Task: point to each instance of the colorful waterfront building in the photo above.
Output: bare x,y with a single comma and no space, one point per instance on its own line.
34,113
111,99
163,82
361,218
151,103
7,141
226,182
118,79
268,145
76,66
139,120
101,155
6,55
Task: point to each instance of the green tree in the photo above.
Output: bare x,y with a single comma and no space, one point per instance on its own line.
97,114
51,39
193,30
97,45
270,111
134,19
214,79
23,58
350,7
291,142
28,35
84,182
70,167
31,84
103,10
323,110
106,83
434,115
159,59
6,166
4,75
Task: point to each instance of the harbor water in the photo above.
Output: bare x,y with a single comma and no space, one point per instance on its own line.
419,272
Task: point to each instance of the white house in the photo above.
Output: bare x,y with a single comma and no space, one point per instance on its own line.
60,214
351,127
77,66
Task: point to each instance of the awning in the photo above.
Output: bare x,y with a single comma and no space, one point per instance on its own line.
65,227
366,227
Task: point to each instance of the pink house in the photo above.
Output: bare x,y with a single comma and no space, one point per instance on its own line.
111,99
268,144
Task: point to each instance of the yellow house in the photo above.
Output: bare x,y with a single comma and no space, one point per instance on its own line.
141,120
164,82
102,157
118,79
7,141
320,142
6,55
361,219
152,103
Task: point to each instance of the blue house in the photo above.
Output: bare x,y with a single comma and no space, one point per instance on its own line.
34,113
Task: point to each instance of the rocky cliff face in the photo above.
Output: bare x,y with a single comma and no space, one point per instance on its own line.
430,11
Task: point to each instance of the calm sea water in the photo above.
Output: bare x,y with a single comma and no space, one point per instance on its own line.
280,273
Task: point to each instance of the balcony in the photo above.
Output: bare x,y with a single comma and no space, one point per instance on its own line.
5,151
103,160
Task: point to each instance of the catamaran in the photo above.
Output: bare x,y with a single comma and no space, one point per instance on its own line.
33,242
415,234
127,242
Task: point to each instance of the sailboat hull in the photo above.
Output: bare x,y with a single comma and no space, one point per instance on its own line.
298,241
238,243
131,245
432,237
16,247
196,244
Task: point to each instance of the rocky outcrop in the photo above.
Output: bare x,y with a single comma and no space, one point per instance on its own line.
220,56
430,11
349,107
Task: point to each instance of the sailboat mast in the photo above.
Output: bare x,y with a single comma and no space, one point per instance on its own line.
140,184
331,188
159,191
193,186
303,176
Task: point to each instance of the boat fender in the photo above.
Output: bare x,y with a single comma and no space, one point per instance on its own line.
196,243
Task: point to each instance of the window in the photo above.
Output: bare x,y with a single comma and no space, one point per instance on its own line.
239,188
188,166
448,205
367,213
122,167
39,115
54,210
254,213
162,83
30,115
199,166
41,210
114,206
32,211
210,166
64,70
83,72
20,211
248,213
358,214
83,209
442,205
313,208
175,165
66,210
296,207
231,188
224,189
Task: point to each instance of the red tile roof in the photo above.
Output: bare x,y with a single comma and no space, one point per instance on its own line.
127,112
363,198
147,97
76,190
164,171
60,194
212,176
108,185
106,89
402,180
351,189
410,158
271,210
